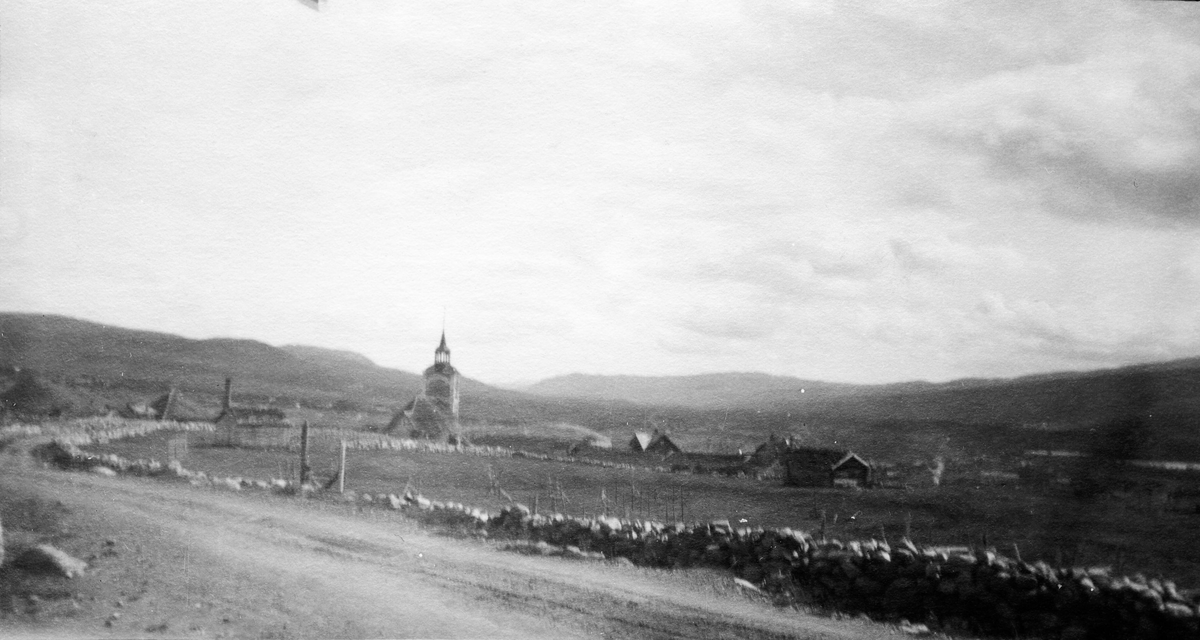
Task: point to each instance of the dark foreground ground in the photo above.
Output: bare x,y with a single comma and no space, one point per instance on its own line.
170,560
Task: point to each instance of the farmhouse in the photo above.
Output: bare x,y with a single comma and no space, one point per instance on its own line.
232,417
656,443
169,406
434,412
815,467
851,470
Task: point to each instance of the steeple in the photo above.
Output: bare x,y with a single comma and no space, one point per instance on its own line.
442,355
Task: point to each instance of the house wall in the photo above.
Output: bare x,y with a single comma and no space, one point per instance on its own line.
805,474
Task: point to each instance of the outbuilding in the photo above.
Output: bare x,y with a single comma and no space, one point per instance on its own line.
656,443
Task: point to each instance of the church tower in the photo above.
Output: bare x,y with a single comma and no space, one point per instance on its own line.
434,412
441,382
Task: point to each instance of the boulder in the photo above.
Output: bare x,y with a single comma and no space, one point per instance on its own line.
103,471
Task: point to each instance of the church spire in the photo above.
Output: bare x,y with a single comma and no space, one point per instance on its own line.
442,355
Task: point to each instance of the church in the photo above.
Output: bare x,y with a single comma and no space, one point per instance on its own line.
433,413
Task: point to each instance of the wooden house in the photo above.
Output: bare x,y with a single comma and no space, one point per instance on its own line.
169,406
816,467
655,443
851,470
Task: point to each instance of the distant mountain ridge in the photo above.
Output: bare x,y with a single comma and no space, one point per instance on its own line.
90,365
1175,384
707,390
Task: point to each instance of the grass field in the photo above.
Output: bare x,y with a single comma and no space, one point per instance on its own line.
1047,524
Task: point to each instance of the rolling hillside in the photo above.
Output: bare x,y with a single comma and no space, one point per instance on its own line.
75,349
87,364
1058,399
1059,410
90,364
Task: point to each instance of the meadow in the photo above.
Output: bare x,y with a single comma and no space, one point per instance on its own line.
1038,523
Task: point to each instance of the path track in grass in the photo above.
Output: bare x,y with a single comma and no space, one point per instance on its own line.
209,563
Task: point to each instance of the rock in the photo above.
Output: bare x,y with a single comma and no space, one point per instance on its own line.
1177,610
746,585
915,629
47,559
103,471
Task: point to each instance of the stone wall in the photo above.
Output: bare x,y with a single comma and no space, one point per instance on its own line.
956,589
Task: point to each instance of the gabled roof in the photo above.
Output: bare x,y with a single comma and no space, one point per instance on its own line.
851,456
663,443
643,439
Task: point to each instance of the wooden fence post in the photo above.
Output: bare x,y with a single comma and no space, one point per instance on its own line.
342,470
305,470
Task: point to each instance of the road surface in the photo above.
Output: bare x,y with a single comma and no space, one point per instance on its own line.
172,560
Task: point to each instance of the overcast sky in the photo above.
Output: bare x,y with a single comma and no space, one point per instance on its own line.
848,191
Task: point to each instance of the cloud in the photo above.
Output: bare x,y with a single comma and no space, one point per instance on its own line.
809,187
1111,135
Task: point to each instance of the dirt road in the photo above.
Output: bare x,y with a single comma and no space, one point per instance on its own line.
171,560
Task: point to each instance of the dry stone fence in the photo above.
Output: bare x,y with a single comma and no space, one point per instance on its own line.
957,589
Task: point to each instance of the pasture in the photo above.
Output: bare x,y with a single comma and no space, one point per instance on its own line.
1043,523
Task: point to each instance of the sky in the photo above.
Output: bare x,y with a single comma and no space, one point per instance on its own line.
846,191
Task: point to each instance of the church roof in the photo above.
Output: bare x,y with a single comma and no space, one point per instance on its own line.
442,348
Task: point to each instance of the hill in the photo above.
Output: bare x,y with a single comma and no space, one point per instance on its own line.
85,365
1058,410
705,391
85,352
1063,399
